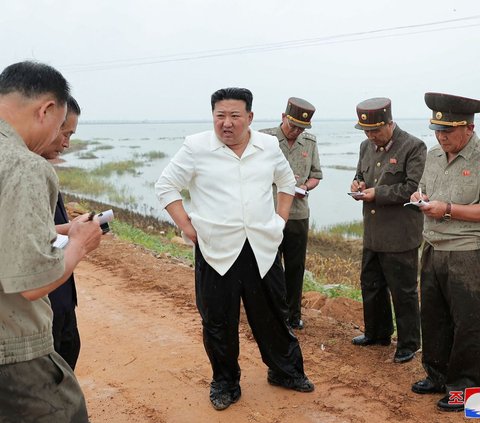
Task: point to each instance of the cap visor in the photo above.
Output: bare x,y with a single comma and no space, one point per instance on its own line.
436,127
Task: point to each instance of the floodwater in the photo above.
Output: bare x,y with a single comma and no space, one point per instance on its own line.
338,144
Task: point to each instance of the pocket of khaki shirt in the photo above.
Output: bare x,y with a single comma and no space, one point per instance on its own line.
465,194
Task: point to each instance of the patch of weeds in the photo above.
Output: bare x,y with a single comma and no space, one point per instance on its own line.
125,166
103,147
330,290
151,242
87,155
154,155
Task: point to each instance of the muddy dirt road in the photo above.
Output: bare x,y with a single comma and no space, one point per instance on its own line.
142,357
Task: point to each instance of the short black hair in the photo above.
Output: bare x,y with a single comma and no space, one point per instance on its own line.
73,107
233,94
32,79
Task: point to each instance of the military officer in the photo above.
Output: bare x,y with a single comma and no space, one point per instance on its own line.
300,149
389,169
450,289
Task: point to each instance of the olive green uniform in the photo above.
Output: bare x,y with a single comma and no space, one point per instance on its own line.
305,162
450,288
36,385
392,235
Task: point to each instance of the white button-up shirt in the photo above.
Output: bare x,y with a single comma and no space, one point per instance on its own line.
231,196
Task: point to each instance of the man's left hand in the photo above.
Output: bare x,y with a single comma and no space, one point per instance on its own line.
368,195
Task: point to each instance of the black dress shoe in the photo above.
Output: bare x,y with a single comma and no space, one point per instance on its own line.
300,384
443,405
427,386
297,324
222,399
402,356
363,341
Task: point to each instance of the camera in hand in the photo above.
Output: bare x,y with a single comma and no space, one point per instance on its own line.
104,218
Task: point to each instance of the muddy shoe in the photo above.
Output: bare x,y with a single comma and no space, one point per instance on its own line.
300,384
222,399
427,386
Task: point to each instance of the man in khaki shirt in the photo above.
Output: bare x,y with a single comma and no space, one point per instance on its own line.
36,385
450,289
300,149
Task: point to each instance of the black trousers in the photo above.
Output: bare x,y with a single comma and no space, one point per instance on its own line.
395,274
450,292
66,339
218,301
294,250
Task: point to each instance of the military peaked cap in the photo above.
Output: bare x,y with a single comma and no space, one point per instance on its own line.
374,113
299,112
450,111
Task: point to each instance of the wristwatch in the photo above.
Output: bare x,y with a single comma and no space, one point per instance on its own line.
448,212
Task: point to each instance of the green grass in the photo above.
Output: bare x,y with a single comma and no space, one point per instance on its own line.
87,155
125,166
153,155
333,290
151,242
349,229
80,181
103,147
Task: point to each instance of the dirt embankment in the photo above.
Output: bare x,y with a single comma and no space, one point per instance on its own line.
142,357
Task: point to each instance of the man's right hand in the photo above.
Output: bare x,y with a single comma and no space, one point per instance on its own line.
357,186
85,233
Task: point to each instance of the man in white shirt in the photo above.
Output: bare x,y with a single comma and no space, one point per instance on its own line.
232,222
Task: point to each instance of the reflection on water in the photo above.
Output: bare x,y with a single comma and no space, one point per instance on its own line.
338,145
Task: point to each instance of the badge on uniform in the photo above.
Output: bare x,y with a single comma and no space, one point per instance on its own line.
393,161
466,172
304,154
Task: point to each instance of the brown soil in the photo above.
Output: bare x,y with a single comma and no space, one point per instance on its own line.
142,357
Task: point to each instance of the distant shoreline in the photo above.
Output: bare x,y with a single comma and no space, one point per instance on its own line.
195,121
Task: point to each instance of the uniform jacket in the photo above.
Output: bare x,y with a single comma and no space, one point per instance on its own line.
305,163
395,175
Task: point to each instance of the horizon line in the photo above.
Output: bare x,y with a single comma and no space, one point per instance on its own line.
166,121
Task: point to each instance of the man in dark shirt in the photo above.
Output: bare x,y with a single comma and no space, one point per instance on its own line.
66,338
389,170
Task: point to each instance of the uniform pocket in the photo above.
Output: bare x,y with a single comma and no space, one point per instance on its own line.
59,374
394,168
465,194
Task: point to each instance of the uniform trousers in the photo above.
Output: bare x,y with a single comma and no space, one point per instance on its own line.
218,301
450,293
66,339
42,390
395,274
294,251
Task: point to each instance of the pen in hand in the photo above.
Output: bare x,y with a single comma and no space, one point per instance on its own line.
420,192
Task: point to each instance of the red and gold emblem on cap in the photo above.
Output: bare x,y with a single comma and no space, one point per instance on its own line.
438,115
364,116
304,115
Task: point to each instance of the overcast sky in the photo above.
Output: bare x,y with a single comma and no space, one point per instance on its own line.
140,59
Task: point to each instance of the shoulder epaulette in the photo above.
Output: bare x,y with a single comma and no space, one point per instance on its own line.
309,136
